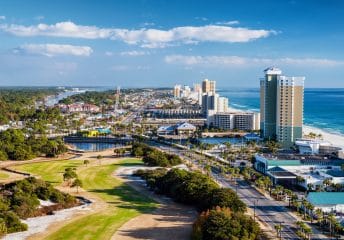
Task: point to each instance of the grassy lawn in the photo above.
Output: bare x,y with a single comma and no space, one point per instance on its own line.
3,175
122,202
49,171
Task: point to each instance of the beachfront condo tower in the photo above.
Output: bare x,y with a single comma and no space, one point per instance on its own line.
281,107
208,86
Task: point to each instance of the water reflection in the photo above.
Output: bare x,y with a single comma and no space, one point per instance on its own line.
93,147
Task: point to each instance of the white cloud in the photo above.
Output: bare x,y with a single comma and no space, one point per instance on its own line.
149,38
226,61
189,34
61,29
228,22
134,53
312,61
51,50
2,17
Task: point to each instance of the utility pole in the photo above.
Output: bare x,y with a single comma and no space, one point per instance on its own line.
255,202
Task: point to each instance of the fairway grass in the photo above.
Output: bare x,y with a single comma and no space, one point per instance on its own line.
49,171
121,201
3,175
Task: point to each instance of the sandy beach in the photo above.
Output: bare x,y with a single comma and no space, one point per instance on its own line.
336,139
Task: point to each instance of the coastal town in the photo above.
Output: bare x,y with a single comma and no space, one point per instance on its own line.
265,158
171,120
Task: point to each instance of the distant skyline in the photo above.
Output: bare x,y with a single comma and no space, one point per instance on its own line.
159,43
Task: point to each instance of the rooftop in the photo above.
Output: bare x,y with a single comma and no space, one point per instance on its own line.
273,70
280,172
335,173
326,198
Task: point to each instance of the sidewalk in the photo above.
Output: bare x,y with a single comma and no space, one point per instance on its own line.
316,233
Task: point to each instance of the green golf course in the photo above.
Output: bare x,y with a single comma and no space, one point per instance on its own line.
121,201
3,175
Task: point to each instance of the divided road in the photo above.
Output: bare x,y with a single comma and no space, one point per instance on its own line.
267,210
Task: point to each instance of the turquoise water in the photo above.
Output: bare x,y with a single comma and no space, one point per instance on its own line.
323,107
219,140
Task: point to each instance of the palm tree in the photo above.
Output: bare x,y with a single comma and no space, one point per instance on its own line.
280,191
301,226
293,201
311,209
304,205
337,187
278,229
296,204
327,182
300,179
319,214
308,232
272,146
289,194
310,187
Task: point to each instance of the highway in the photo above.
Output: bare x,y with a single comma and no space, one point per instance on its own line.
268,211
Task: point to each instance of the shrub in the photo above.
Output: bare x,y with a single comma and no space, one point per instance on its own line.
20,199
222,223
225,197
3,227
154,157
12,221
225,220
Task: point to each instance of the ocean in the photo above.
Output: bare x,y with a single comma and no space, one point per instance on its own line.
323,107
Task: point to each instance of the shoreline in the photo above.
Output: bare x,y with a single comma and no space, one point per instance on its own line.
336,139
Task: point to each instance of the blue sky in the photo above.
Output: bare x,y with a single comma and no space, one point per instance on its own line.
156,43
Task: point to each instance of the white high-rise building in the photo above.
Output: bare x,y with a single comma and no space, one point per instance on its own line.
197,87
209,103
222,104
186,91
235,120
208,86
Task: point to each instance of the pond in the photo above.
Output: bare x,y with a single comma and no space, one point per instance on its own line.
93,147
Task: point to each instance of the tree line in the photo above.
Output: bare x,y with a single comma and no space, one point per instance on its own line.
19,103
92,97
154,157
20,200
16,144
222,212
